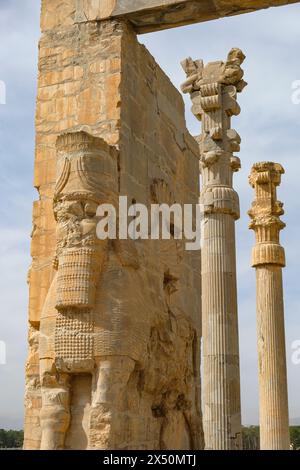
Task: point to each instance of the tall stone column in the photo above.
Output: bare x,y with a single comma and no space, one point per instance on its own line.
269,258
213,89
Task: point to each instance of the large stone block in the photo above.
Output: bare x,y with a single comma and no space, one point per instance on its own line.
153,15
147,15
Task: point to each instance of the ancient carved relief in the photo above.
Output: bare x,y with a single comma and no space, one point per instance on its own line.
104,337
86,169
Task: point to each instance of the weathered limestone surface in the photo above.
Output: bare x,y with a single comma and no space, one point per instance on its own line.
114,346
153,15
269,258
213,89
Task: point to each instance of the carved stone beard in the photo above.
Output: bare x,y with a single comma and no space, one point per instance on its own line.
79,254
79,264
78,276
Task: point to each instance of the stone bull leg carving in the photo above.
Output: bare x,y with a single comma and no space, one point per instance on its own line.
108,412
55,412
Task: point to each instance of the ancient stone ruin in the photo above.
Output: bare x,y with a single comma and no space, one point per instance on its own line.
115,326
268,258
213,91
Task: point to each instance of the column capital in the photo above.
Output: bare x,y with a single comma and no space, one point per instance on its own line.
213,89
265,214
265,173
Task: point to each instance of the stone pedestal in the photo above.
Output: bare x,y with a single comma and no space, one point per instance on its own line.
268,258
213,91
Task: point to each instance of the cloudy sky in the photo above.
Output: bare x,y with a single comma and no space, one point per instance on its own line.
270,130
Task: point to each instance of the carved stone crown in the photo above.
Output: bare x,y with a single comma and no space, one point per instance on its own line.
83,169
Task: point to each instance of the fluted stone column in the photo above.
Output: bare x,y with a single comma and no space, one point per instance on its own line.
269,258
213,91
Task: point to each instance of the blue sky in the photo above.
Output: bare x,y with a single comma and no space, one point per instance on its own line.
270,129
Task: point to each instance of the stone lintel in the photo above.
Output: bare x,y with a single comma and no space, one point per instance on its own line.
154,15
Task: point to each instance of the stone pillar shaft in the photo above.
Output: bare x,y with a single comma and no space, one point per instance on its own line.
220,346
274,432
268,259
213,89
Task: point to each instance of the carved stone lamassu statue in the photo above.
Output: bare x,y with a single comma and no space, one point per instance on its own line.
118,363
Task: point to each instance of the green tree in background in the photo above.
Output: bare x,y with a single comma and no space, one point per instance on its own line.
14,439
250,438
295,437
11,439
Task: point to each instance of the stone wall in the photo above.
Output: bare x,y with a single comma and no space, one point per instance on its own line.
97,78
